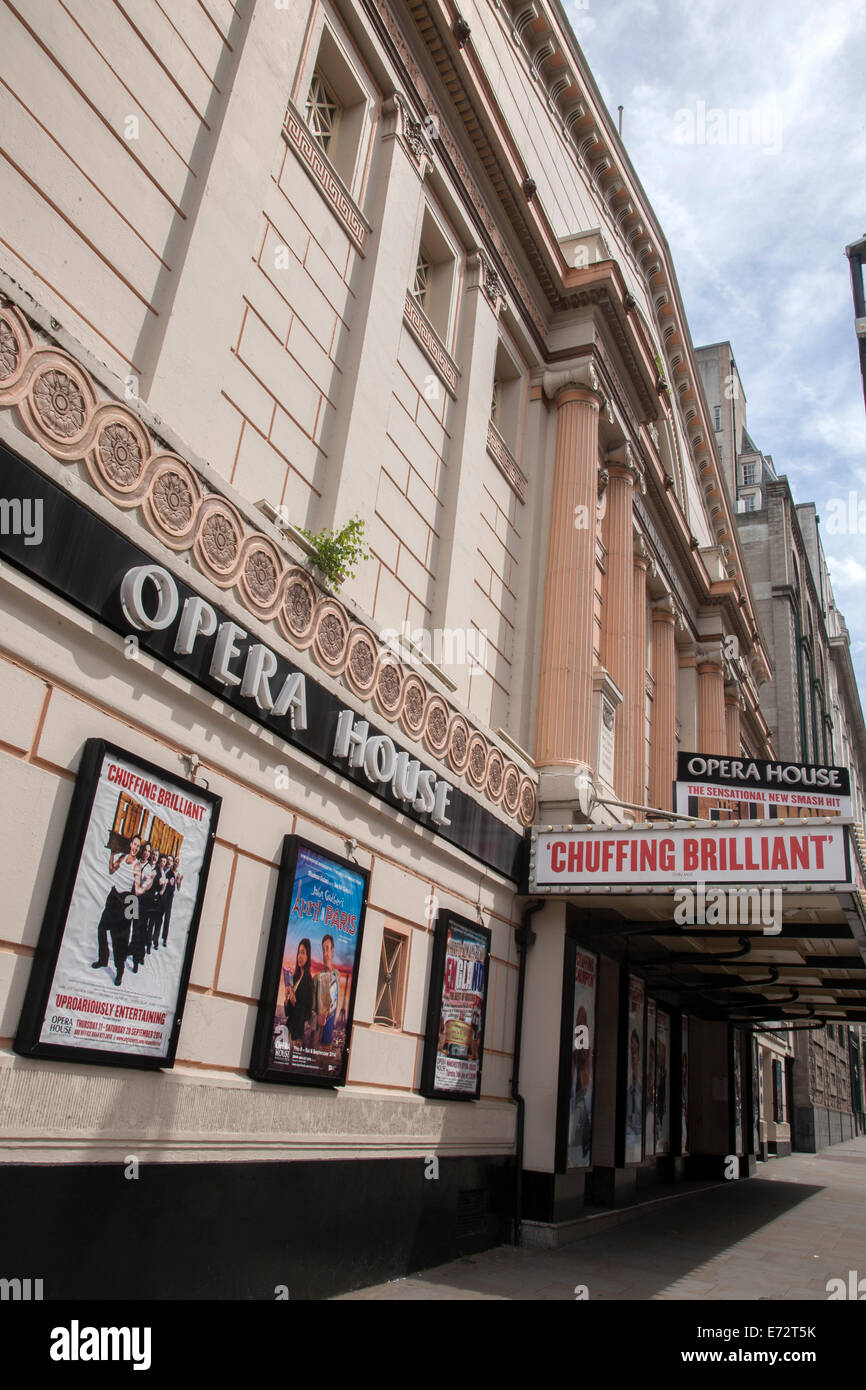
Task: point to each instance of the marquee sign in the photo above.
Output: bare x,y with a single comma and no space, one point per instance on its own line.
790,852
760,786
85,560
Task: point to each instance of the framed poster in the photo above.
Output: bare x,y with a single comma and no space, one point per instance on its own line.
304,1022
456,1009
576,1059
635,1072
684,1092
650,1092
111,969
663,1082
778,1093
737,1086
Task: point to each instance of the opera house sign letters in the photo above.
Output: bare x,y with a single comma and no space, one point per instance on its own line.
250,668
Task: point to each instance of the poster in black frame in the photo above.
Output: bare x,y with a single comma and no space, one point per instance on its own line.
576,1085
137,911
631,1070
456,1009
304,1023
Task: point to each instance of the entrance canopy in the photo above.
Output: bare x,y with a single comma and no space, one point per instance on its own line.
755,921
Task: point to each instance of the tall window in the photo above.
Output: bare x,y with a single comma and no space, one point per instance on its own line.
423,281
496,404
749,473
433,283
750,502
391,985
717,417
323,111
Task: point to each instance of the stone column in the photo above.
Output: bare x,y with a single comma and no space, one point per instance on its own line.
732,721
664,737
564,719
712,733
619,651
636,689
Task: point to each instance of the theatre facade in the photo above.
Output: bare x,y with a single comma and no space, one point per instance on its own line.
364,914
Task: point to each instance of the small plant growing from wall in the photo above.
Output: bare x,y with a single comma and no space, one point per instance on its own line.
337,554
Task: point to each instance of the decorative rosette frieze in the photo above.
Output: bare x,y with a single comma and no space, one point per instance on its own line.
59,407
479,752
494,784
362,655
260,579
388,692
458,745
331,636
412,704
437,717
297,614
172,501
218,540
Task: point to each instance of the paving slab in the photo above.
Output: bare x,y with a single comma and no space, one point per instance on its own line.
779,1236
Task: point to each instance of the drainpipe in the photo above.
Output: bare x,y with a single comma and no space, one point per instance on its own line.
524,936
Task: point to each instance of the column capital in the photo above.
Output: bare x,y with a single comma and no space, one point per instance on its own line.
664,610
486,277
733,696
579,375
400,122
709,657
627,461
643,555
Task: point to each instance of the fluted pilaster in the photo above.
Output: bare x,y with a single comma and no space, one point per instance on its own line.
732,723
564,723
619,646
712,732
664,721
636,693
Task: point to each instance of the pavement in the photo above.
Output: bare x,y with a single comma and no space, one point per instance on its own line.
780,1235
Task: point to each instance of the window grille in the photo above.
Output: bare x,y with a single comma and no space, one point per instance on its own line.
323,111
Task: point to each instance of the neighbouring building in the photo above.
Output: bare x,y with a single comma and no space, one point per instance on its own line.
813,708
340,911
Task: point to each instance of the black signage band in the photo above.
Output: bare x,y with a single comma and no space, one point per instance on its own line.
82,558
764,774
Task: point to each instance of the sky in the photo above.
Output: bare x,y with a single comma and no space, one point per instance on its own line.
757,210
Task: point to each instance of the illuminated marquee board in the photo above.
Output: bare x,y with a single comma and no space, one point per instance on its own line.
790,853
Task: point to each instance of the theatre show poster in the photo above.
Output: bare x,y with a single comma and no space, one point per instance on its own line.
304,1022
635,1062
576,1059
684,1092
650,1093
111,970
456,1009
663,1083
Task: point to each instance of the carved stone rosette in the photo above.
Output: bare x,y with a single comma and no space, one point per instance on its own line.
297,616
388,694
362,653
478,756
59,407
437,717
331,636
412,705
